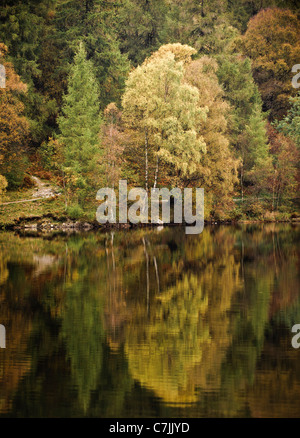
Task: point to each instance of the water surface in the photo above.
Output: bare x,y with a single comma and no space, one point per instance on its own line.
151,323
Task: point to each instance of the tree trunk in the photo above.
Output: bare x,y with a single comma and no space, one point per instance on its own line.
147,277
278,195
242,182
156,272
146,160
274,184
273,200
156,172
65,190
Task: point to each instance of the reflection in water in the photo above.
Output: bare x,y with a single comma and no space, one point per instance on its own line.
151,323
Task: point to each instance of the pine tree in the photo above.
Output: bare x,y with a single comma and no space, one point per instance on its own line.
94,23
80,126
290,125
247,125
23,29
142,27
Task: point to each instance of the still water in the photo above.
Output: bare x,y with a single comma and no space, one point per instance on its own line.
151,323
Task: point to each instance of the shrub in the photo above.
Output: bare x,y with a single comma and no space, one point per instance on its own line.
28,181
16,172
269,216
254,209
74,211
282,216
237,213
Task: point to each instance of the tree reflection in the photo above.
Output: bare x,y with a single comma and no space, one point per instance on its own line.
195,324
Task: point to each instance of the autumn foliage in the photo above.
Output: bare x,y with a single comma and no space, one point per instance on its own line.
14,127
272,43
161,93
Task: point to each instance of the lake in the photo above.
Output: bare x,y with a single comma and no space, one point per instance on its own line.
151,323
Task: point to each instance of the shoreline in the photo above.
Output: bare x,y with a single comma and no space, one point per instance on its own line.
49,222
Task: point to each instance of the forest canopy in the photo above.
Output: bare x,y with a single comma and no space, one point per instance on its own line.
161,93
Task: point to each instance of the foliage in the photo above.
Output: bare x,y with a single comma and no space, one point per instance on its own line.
94,23
160,104
3,185
74,211
113,144
290,125
142,28
79,128
180,118
23,28
14,127
275,178
246,121
217,172
272,43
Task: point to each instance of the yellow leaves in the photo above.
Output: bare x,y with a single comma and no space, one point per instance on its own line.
13,82
182,52
3,185
75,275
160,102
4,273
3,50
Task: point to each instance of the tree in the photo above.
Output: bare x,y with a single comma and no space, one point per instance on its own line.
14,127
275,178
79,127
217,172
142,27
272,43
242,10
3,185
285,159
159,104
23,29
290,125
246,121
94,23
113,144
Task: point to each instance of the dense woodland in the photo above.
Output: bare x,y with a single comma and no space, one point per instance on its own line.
162,93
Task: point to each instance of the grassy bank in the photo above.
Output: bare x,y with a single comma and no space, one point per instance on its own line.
12,213
52,211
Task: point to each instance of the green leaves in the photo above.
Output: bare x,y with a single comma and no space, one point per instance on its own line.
290,125
80,124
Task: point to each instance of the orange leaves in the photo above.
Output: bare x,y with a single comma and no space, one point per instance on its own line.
272,42
14,127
